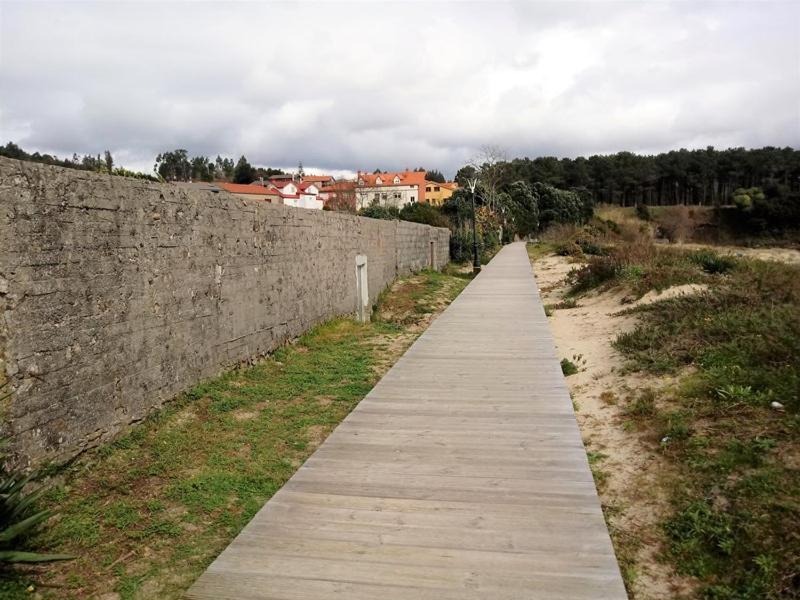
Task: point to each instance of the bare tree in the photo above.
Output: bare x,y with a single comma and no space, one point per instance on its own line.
342,196
489,164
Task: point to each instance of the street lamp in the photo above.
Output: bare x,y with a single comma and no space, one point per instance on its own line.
476,261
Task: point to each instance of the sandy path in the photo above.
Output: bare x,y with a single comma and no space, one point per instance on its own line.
632,500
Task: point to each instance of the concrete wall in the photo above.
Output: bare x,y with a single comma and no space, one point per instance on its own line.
116,294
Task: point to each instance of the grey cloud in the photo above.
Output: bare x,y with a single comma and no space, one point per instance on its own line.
358,85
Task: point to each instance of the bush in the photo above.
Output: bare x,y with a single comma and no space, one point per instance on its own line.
675,223
568,367
422,212
711,262
643,212
775,211
592,249
597,271
561,206
461,246
376,211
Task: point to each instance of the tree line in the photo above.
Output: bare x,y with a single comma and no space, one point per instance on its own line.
700,177
174,165
177,165
98,163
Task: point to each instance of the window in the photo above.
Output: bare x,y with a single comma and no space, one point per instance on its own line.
377,196
383,196
436,189
397,195
428,189
396,179
412,199
378,181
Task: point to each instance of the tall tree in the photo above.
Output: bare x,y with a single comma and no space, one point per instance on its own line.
243,172
524,208
490,165
174,165
223,168
109,161
435,175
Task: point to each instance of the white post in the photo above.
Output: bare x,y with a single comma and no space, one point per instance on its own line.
362,289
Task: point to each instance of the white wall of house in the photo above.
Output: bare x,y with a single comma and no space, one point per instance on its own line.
387,195
304,201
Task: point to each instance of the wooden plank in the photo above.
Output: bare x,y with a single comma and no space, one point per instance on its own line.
462,475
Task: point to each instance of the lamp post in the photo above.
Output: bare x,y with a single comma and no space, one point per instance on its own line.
476,261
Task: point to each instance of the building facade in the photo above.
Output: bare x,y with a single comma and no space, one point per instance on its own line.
390,189
437,193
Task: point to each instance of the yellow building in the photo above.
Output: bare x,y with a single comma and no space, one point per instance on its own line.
436,193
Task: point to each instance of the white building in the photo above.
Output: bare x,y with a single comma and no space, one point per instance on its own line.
390,189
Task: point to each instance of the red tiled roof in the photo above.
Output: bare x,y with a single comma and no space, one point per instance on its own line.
247,188
406,178
316,178
281,183
339,186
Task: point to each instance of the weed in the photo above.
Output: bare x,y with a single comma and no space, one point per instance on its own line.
711,262
608,397
643,405
568,367
735,521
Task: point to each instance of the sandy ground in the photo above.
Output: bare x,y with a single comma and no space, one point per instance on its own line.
632,500
785,255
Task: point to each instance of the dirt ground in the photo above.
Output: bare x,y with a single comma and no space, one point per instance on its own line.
630,465
785,255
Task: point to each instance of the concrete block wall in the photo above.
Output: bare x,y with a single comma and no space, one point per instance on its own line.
117,294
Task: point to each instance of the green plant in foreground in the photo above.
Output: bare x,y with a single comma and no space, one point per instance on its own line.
735,524
19,517
568,367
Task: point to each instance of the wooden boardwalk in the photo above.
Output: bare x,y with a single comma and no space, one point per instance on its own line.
460,476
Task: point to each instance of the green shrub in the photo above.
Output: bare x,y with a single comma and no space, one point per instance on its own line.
711,262
422,212
644,405
19,516
643,212
599,270
592,249
376,211
568,367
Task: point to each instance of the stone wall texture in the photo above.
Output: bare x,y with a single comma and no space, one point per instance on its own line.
117,294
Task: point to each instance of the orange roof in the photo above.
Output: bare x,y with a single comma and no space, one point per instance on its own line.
406,178
339,186
247,188
450,185
316,178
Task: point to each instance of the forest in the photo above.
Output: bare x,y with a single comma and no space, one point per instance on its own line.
697,177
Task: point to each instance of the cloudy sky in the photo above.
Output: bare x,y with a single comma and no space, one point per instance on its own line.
343,86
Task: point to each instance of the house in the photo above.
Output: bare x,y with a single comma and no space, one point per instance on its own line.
250,191
436,193
390,189
298,194
318,180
